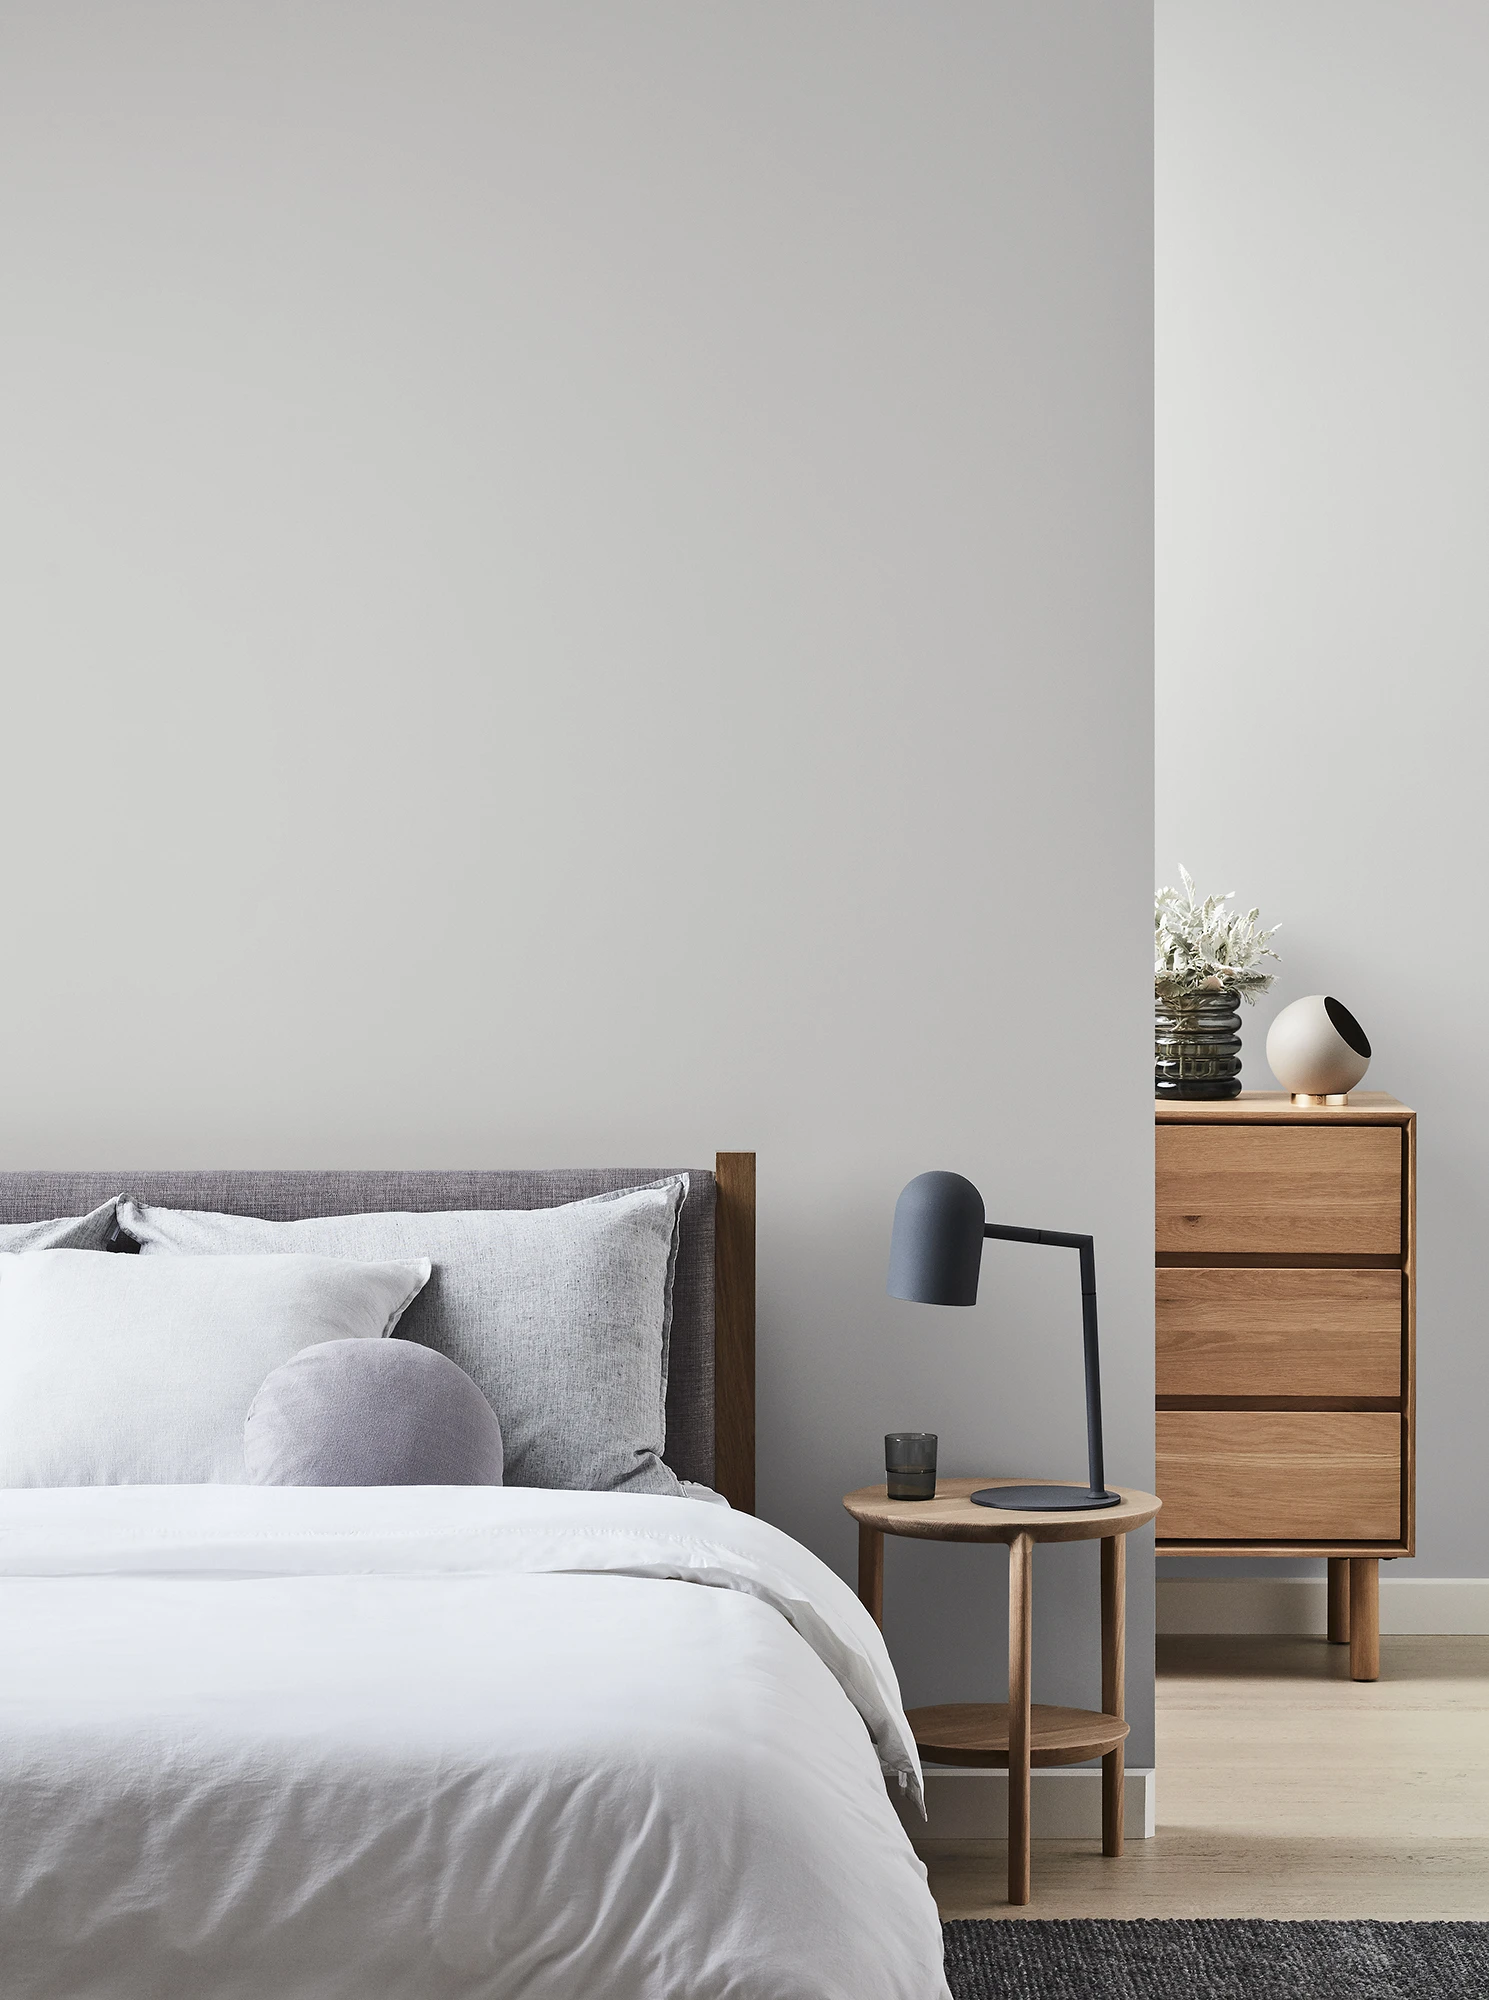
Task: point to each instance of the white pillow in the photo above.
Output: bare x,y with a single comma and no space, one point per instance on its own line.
124,1371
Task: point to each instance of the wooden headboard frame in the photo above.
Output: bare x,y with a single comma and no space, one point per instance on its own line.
734,1329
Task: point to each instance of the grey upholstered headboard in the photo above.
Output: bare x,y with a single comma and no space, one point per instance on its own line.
710,1384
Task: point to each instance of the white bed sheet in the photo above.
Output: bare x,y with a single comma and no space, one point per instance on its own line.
352,1744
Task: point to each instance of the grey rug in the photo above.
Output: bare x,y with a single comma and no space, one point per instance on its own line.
1034,1959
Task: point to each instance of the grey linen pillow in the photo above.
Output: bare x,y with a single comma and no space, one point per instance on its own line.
69,1232
371,1413
559,1315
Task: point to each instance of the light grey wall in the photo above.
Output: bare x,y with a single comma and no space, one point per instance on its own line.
1323,623
580,590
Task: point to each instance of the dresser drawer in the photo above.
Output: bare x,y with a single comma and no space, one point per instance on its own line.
1246,1332
1279,1475
1278,1189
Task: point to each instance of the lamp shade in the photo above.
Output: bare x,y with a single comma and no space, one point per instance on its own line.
936,1248
1317,1047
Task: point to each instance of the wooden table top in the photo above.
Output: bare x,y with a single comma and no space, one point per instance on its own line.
1275,1107
951,1517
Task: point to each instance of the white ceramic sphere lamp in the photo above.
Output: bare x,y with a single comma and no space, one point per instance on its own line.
1317,1050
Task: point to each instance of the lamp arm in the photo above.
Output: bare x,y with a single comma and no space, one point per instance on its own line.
1086,1245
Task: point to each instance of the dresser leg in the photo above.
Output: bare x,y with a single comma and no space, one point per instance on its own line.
1364,1618
871,1572
1339,1600
1113,1683
1020,1636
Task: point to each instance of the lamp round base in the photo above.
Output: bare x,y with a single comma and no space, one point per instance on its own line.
1043,1499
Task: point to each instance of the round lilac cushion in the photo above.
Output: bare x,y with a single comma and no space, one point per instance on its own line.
371,1413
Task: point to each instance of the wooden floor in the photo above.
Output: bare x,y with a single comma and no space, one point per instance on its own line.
1284,1790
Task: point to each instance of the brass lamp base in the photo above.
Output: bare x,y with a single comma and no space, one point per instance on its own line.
1306,1097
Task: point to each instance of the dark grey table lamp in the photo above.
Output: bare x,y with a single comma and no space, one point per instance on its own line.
935,1254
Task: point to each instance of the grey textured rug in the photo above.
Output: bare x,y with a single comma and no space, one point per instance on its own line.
1033,1959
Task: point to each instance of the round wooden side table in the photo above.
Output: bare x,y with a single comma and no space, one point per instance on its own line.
1018,1733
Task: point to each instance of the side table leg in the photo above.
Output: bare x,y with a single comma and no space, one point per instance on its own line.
1339,1600
1020,1635
1364,1618
871,1572
1113,1684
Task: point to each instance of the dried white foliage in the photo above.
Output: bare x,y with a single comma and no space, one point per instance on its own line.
1202,947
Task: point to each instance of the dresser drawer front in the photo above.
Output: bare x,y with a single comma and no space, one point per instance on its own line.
1279,1475
1279,1189
1240,1332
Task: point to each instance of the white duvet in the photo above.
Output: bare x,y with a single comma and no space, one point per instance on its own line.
361,1744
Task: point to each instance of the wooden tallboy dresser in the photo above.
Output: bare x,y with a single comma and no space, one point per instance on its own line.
1286,1335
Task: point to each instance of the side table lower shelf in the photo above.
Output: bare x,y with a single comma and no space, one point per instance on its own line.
976,1733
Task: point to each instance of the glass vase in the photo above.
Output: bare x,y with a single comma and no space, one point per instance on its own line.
1197,1045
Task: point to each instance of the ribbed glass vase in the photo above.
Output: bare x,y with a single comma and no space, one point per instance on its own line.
1197,1046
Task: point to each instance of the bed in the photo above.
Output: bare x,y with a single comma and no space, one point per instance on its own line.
439,1741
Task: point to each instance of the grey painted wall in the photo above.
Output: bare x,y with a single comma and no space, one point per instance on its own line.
1323,626
580,591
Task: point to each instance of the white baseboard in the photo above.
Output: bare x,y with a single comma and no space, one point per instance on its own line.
1282,1604
971,1804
